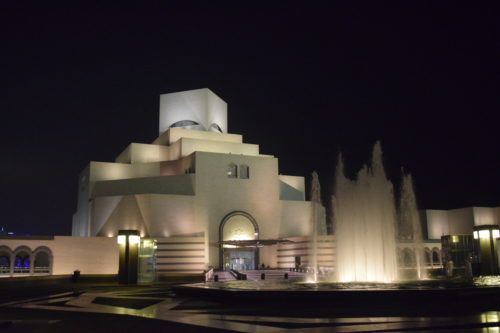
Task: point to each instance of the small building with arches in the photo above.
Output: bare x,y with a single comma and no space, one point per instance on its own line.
22,256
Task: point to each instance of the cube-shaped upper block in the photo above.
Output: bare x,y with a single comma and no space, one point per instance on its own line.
198,109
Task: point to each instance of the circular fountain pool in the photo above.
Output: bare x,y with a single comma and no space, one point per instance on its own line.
426,292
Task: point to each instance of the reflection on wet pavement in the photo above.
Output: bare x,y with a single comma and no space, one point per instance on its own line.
160,303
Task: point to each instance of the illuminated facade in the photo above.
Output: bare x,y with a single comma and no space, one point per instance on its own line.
199,197
195,187
458,221
468,237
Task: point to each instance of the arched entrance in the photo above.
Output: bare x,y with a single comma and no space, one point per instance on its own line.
22,260
238,226
5,260
409,259
42,260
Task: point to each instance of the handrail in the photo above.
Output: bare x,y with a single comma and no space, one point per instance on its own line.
209,275
238,275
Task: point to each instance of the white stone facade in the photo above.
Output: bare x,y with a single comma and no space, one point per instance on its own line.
189,180
58,255
458,221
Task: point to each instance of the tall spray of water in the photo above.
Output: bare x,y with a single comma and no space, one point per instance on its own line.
409,228
315,229
365,223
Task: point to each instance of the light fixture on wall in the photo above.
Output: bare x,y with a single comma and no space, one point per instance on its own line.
132,239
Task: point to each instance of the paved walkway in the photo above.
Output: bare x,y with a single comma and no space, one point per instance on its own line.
161,304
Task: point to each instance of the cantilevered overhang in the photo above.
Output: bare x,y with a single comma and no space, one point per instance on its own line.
176,184
256,242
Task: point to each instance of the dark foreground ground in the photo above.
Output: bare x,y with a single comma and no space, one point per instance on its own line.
16,315
64,306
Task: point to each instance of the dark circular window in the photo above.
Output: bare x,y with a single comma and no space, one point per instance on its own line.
188,124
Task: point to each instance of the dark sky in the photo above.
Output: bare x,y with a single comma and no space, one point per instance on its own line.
80,84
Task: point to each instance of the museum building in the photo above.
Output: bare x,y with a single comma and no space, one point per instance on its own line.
199,197
198,187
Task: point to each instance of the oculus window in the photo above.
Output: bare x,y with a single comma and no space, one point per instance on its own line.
188,124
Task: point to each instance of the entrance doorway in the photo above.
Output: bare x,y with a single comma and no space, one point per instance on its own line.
237,227
239,260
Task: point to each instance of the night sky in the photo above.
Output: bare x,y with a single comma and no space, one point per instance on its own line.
80,84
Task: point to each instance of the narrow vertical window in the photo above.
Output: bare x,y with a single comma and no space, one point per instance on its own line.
244,171
232,171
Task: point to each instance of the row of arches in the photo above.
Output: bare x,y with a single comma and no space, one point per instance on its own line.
407,257
25,261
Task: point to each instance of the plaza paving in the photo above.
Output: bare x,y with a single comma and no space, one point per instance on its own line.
110,307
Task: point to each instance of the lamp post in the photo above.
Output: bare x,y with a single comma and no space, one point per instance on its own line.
128,241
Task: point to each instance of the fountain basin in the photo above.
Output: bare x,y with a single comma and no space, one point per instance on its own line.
421,293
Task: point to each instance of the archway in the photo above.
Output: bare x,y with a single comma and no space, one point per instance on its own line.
238,226
42,260
22,260
436,257
428,257
399,254
409,259
5,260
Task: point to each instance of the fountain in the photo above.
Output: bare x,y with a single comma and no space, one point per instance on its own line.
367,229
409,228
365,223
315,205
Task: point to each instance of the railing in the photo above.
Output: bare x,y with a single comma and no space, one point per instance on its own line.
41,270
21,270
238,276
38,270
209,275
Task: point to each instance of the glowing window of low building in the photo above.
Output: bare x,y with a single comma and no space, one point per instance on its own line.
232,171
484,234
244,171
